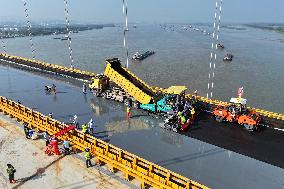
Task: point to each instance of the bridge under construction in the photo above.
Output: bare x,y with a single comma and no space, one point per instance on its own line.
168,138
211,138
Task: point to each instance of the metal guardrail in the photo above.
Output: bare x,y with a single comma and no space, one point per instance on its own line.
76,73
149,174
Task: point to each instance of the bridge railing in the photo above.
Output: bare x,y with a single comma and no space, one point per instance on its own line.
116,159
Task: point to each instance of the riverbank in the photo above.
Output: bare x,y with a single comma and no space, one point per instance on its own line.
12,31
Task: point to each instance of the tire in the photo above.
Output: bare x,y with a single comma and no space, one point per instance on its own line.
175,130
96,93
164,126
249,127
219,119
104,95
136,105
161,114
127,102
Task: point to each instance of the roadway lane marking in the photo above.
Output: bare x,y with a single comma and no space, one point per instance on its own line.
278,129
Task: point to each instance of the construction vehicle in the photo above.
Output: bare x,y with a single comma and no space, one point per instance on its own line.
120,84
181,119
102,87
167,103
236,111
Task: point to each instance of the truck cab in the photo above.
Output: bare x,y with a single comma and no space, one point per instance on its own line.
99,84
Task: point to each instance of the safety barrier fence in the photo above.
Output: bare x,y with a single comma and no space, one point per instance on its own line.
76,73
149,174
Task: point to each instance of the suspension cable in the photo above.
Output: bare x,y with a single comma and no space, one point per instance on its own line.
29,29
214,48
3,45
125,45
68,33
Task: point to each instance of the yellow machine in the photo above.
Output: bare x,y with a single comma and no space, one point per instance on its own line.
101,86
128,88
99,82
134,86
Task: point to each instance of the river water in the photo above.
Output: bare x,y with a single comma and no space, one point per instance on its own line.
182,58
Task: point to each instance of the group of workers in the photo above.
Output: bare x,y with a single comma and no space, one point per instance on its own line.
51,89
87,128
30,133
184,112
52,142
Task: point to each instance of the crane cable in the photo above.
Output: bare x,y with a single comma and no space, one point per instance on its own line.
125,45
68,33
29,29
214,47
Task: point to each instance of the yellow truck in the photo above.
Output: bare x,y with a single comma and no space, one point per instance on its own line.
129,82
120,84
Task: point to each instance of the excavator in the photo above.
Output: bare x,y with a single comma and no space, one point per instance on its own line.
237,112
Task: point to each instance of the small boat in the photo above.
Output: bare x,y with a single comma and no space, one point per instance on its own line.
220,46
138,56
57,38
65,38
228,57
134,26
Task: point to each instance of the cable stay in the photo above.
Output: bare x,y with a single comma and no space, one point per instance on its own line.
68,33
125,30
29,29
214,47
3,45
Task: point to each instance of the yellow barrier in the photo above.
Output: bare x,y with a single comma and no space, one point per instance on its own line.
76,73
147,173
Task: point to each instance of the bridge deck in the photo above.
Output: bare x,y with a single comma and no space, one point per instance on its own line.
213,166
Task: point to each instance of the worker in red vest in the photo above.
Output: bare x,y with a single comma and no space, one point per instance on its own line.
128,113
54,144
